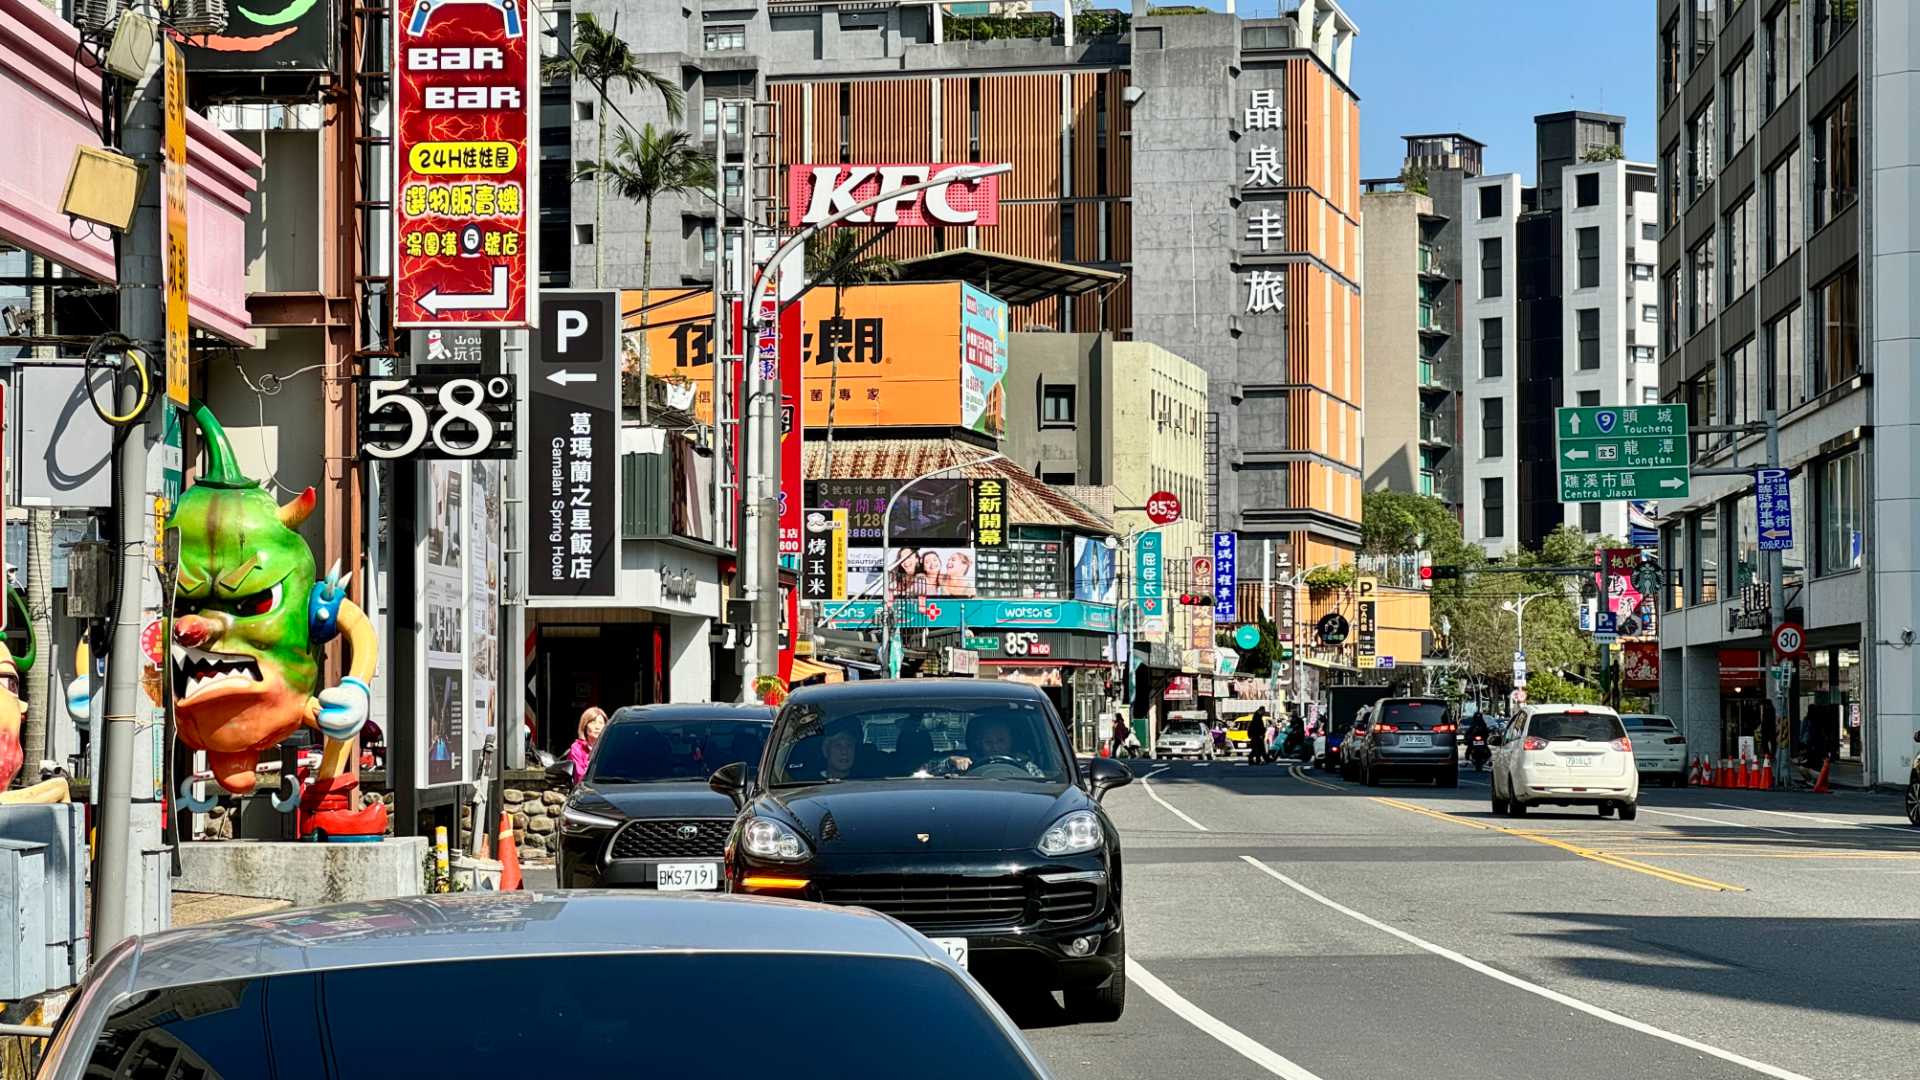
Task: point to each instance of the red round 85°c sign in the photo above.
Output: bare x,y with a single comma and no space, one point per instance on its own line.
1163,508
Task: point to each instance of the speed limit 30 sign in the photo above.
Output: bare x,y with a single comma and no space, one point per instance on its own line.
1789,640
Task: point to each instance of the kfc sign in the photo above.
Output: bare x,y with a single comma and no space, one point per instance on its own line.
816,193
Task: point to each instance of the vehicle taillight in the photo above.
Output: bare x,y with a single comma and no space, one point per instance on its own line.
1622,743
1386,727
1532,743
1446,727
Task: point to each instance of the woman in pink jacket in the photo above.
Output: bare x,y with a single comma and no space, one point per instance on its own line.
592,723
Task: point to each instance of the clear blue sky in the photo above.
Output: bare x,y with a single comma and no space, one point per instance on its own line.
1487,67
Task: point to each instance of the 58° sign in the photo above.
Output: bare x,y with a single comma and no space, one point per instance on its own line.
438,415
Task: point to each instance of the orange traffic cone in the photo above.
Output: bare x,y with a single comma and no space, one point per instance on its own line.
1742,774
1706,771
1820,786
509,856
1725,772
1693,774
1766,774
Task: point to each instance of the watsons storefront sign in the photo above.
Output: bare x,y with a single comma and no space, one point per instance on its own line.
976,614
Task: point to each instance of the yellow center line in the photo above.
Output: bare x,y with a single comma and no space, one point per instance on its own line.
1674,876
1712,852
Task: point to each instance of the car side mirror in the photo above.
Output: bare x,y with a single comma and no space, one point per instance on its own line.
561,773
731,781
1493,740
1105,774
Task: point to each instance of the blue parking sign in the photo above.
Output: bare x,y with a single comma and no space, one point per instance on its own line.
1773,503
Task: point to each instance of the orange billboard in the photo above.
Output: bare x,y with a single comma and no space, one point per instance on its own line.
914,354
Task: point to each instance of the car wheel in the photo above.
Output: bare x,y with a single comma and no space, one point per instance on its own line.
1516,808
1370,774
1628,811
1100,1004
1447,778
1913,801
1499,803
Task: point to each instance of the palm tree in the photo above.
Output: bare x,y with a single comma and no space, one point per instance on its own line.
600,58
641,170
839,258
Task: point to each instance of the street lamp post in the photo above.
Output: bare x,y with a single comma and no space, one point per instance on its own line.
1519,609
763,561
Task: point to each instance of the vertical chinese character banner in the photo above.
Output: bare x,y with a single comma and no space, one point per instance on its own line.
174,236
573,463
465,193
1226,548
788,329
823,560
990,513
983,361
1150,581
1262,206
1366,622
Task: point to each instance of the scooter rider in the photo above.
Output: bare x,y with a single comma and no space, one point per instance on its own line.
1478,749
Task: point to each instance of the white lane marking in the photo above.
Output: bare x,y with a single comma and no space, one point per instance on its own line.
1712,821
1517,982
1821,820
1172,809
1228,1036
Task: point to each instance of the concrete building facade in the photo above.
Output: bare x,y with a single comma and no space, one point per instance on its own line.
1787,260
1412,436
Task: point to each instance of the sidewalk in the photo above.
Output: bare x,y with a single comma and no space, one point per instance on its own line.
191,908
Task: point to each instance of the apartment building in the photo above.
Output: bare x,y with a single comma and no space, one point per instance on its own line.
1787,257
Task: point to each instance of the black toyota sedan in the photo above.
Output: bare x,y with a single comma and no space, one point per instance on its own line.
955,806
643,816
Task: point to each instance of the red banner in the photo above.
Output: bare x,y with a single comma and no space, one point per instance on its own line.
466,191
1640,665
817,192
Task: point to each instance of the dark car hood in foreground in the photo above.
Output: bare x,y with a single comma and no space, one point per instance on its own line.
689,799
872,817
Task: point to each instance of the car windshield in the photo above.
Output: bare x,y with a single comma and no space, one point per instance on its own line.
1413,715
664,751
987,738
1647,723
1565,727
1185,727
678,1009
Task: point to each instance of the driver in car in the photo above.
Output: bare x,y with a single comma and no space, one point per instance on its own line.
990,740
840,749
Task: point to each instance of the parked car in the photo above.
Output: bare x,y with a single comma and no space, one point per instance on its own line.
1913,786
1659,750
1184,739
1406,736
955,805
351,988
1339,751
1565,755
643,816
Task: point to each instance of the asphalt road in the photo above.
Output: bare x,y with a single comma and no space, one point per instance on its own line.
1283,923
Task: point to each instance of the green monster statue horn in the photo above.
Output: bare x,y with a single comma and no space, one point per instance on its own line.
221,470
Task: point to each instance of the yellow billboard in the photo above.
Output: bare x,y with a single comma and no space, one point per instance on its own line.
914,354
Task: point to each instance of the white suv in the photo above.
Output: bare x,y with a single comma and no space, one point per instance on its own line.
1565,755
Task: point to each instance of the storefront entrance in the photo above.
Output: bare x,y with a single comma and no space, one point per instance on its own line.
609,665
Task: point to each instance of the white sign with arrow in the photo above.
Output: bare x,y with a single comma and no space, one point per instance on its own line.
494,299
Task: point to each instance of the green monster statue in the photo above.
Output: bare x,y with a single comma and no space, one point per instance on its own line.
249,622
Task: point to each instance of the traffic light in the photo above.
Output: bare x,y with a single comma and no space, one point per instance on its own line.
1431,574
1196,600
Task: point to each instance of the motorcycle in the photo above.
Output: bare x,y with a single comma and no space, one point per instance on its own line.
1296,745
1478,753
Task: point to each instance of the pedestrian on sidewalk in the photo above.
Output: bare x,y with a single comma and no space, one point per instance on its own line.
592,723
1257,737
1121,731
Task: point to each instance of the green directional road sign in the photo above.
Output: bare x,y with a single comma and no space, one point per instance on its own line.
1621,452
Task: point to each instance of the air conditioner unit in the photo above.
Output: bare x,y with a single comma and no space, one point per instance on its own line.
197,17
94,16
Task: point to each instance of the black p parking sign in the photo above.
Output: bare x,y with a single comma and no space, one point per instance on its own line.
573,469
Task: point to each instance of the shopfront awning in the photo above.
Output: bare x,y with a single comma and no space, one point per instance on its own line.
805,670
1013,278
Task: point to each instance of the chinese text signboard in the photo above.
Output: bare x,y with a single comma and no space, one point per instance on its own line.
1225,576
574,470
990,513
779,346
865,502
1773,502
1628,452
823,557
464,194
1150,574
1366,622
174,236
1262,206
983,361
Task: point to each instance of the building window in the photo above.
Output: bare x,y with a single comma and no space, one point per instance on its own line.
583,109
1643,354
1588,243
1704,407
1842,514
1670,60
1489,267
1056,406
1670,176
1649,395
1490,201
1492,349
724,38
1738,95
1700,148
1589,320
1783,208
1705,544
1743,386
1739,273
1493,508
1836,159
1586,189
583,234
1786,360
1673,558
1649,313
1701,27
1836,319
1783,53
709,241
1590,518
1831,18
1642,271
1700,306
1057,479
1670,302
1493,440
1649,230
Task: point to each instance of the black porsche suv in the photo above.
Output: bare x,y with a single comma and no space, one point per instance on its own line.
955,806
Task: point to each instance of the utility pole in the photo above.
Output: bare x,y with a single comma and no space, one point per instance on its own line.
142,319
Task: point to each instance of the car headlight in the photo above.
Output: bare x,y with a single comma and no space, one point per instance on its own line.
768,839
1073,834
575,821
